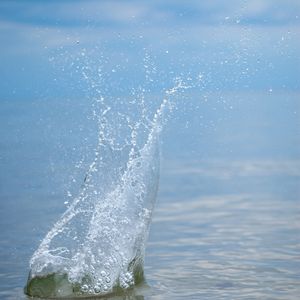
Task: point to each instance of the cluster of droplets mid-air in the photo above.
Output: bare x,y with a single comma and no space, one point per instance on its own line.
99,242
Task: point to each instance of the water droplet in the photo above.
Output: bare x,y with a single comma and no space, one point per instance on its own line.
99,281
107,279
128,276
103,273
84,288
134,183
124,285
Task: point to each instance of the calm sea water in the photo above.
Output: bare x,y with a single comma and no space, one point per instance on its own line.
227,220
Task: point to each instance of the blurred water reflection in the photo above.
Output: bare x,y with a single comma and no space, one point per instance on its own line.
226,245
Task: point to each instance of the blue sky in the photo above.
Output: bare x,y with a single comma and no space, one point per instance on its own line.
235,45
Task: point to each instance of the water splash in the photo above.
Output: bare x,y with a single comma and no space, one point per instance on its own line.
98,244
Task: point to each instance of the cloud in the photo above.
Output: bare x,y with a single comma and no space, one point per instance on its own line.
272,12
202,36
76,13
154,13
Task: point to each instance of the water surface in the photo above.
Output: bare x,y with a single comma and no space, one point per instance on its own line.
226,221
224,227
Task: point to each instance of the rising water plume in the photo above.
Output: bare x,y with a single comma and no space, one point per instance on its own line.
98,244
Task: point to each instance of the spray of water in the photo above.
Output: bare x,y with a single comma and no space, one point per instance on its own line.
98,244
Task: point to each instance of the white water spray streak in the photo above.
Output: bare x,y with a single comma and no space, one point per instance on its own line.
102,234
